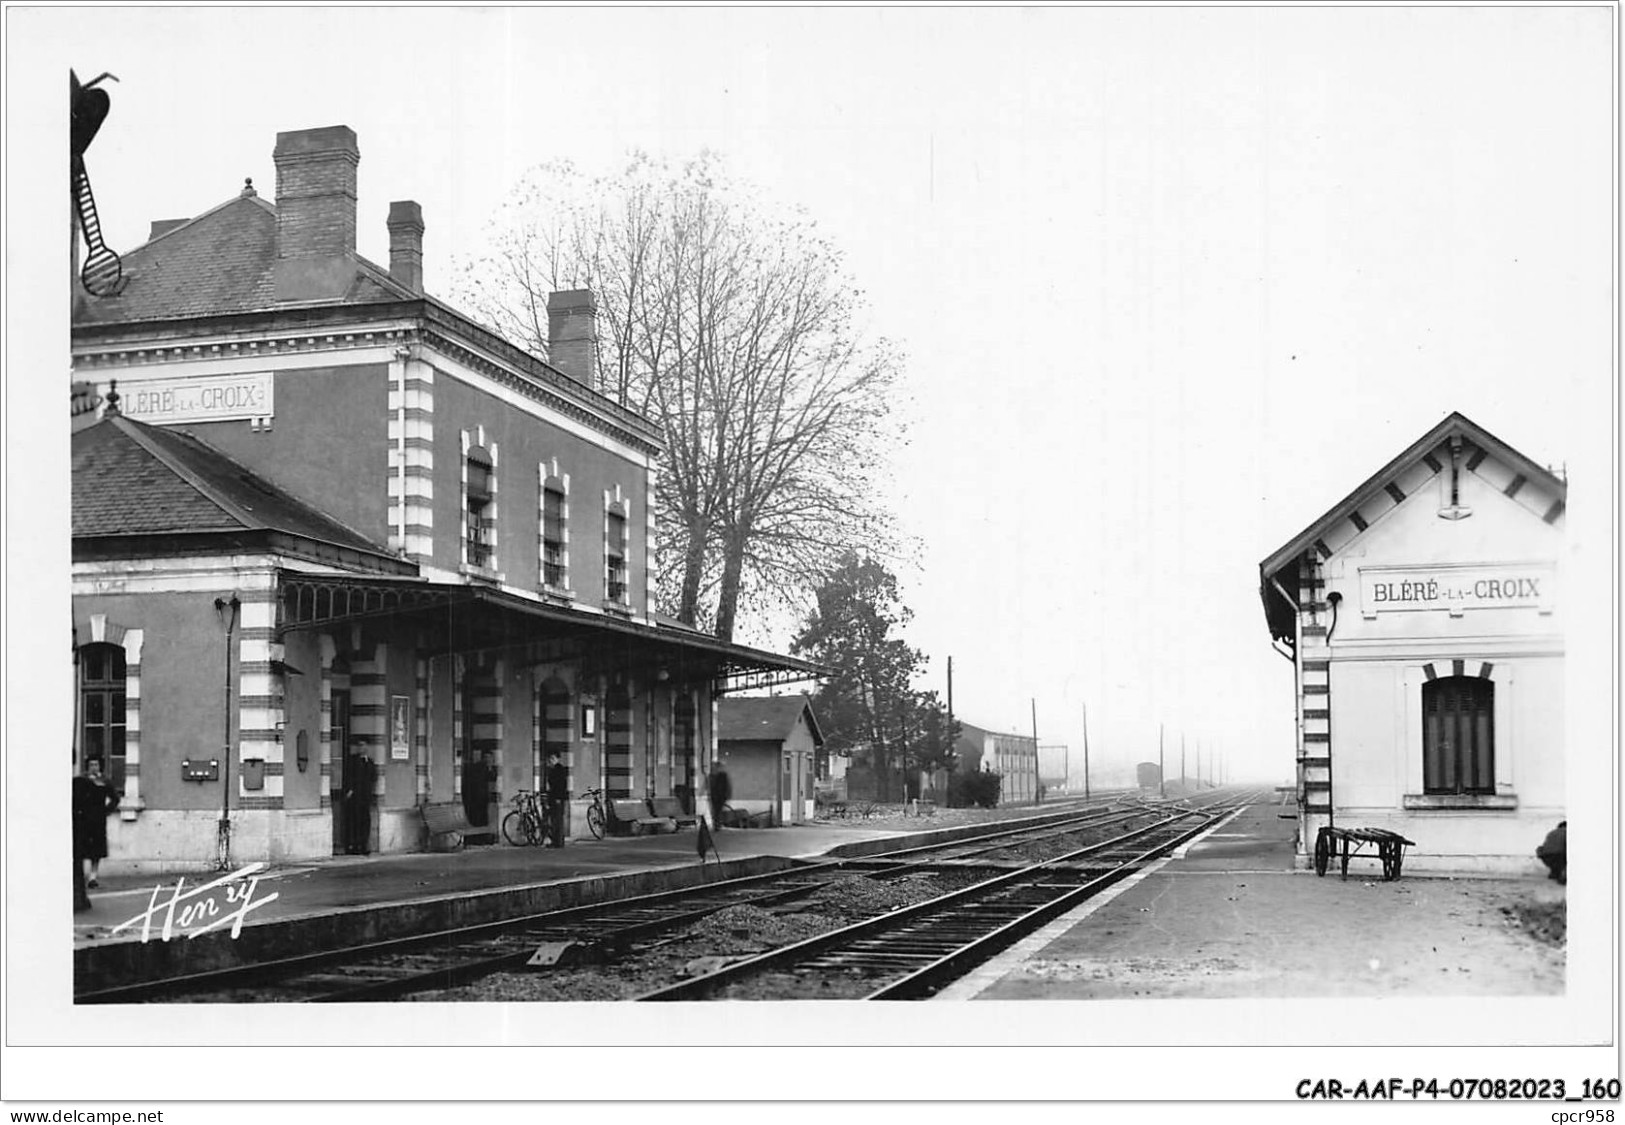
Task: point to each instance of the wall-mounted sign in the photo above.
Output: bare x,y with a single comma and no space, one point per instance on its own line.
200,398
400,730
1408,589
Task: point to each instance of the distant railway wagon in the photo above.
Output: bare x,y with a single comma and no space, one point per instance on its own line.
1150,775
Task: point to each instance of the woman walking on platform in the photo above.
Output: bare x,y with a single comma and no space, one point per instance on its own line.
93,799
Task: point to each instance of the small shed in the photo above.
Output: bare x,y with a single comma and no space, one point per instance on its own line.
768,746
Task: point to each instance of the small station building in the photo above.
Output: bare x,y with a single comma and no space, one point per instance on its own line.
769,747
340,552
1423,617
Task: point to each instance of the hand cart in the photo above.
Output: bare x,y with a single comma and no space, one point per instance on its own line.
1390,848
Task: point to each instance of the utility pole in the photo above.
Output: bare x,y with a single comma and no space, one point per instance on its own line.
1085,751
1162,788
1182,763
1037,777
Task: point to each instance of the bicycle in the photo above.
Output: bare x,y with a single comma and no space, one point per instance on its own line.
596,817
528,823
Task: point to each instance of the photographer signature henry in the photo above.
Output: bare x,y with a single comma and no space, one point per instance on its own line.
184,909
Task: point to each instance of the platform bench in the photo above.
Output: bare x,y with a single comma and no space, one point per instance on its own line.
447,820
631,817
670,808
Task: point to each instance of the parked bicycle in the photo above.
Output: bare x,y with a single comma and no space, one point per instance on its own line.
528,823
596,816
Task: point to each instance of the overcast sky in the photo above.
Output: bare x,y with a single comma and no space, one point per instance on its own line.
1170,282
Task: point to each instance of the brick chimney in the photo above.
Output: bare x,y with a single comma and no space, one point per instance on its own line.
406,244
161,227
315,213
572,334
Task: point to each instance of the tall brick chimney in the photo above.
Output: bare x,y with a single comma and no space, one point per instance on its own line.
315,213
406,244
572,334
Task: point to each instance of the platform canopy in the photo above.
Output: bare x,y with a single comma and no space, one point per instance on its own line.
462,618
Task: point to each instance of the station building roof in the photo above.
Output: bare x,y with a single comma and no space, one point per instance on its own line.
1380,491
772,719
135,481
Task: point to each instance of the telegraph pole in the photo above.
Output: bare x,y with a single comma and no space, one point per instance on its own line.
1162,788
1086,752
1037,775
1182,763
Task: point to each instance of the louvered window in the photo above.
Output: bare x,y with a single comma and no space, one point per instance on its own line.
480,524
552,537
615,558
1458,735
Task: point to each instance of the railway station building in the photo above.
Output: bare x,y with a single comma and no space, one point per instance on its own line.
339,552
1423,617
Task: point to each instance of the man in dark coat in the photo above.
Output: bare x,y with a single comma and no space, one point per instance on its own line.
93,800
359,776
558,796
722,792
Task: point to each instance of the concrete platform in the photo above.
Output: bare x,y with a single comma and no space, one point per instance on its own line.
1230,917
347,883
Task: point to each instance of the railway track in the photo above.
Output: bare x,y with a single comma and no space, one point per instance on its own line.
911,953
594,933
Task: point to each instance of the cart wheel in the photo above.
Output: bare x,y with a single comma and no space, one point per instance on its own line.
1393,856
1323,852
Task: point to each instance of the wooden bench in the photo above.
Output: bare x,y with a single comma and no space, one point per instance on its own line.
447,820
631,818
670,808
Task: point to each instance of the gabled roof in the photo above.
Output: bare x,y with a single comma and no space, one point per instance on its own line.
132,479
1431,445
219,263
764,720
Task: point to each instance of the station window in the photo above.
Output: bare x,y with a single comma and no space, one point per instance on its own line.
1458,735
553,558
480,512
615,557
101,696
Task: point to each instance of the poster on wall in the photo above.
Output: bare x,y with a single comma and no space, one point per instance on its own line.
399,742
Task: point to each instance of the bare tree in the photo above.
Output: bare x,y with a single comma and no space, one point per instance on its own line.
735,329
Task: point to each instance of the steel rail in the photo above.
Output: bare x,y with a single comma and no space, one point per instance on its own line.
702,986
927,980
332,975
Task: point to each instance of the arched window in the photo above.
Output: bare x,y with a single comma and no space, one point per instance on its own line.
1458,735
101,709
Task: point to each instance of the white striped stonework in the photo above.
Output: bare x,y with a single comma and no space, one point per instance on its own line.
369,709
133,639
420,730
325,753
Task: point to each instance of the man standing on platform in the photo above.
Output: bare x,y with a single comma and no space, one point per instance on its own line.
722,792
558,796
